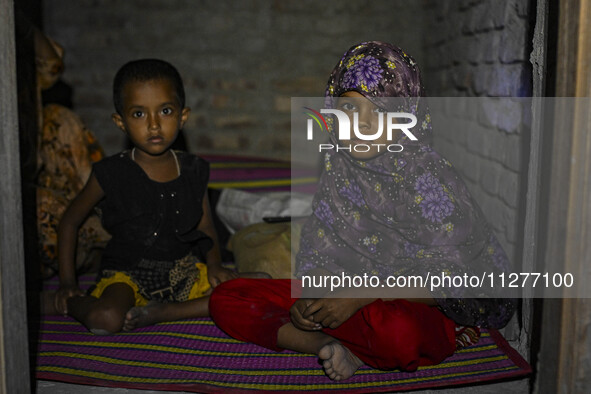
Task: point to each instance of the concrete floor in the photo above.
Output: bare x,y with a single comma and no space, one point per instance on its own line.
47,387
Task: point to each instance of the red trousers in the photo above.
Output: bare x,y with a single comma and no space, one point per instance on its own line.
383,334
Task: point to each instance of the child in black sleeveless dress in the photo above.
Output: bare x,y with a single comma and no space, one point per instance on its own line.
153,201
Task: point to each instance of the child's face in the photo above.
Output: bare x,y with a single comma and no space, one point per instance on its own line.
351,102
152,115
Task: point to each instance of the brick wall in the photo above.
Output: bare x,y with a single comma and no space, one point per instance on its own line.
241,61
481,48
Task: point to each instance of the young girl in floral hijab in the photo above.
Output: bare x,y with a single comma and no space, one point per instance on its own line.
382,214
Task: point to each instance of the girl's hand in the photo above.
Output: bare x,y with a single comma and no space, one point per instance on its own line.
63,294
332,312
217,274
297,315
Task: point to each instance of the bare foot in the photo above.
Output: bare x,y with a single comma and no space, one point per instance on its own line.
142,316
339,362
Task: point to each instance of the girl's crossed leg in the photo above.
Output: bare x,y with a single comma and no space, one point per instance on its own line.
383,334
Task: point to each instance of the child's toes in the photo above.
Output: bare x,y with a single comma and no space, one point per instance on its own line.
131,319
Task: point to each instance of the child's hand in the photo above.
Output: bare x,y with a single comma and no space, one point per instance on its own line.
63,294
297,315
217,274
332,312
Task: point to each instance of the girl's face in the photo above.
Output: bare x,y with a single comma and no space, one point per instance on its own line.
152,116
368,123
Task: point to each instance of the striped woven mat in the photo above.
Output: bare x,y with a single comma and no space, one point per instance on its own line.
259,175
195,356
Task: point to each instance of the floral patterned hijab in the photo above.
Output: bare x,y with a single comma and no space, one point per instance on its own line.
400,213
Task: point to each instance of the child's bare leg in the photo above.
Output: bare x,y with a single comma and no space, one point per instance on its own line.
338,361
141,316
104,315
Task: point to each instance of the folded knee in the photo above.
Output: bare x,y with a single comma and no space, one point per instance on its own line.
222,300
239,300
104,320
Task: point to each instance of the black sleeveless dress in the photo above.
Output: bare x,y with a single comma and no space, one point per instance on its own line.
155,240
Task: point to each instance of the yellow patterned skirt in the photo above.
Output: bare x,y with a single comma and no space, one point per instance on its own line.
151,280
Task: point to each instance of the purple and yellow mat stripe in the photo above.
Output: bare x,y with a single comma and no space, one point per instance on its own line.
258,175
194,355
